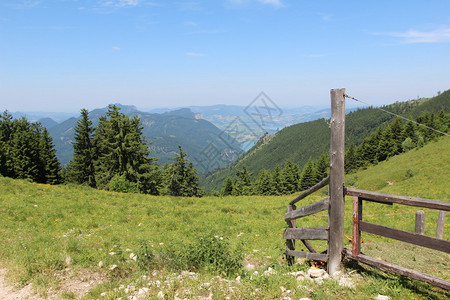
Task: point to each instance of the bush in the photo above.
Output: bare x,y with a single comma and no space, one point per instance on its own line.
209,253
119,183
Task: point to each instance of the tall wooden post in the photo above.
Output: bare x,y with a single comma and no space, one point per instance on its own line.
336,210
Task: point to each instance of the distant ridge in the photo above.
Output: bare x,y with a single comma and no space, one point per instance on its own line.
302,141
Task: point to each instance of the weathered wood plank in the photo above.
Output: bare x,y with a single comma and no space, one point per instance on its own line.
337,151
387,198
420,222
308,255
399,270
405,236
440,225
357,217
307,210
308,233
311,190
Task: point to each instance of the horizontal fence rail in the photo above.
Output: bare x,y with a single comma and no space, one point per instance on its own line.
416,238
292,233
388,199
442,283
311,190
307,210
307,233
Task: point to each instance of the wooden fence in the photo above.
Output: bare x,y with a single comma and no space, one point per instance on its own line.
416,238
334,233
292,233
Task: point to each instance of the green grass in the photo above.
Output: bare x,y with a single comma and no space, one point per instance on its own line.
46,230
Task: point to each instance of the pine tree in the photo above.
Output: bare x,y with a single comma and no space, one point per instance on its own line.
50,167
243,182
397,130
6,133
227,188
386,147
350,162
290,176
121,150
321,168
277,182
307,178
180,177
82,166
263,184
24,151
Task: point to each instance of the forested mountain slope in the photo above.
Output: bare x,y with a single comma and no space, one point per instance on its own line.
165,132
300,142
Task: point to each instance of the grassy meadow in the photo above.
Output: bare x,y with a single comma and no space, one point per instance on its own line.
171,247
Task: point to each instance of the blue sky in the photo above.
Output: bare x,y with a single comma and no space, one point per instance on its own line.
63,55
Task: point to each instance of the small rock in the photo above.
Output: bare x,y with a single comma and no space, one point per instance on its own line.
205,285
347,282
100,264
382,297
238,279
112,267
143,291
160,295
112,253
103,294
315,272
283,289
269,272
304,299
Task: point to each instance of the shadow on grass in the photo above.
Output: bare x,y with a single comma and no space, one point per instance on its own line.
418,287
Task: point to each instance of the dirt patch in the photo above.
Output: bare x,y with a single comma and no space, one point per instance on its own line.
9,292
78,282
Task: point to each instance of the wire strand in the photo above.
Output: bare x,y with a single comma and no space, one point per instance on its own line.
394,114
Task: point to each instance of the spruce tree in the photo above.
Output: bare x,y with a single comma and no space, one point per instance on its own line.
350,162
24,151
321,167
263,184
243,182
307,178
180,177
227,188
50,165
277,181
121,150
6,133
82,166
290,176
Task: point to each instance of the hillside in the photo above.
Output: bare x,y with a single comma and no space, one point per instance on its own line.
165,132
61,237
311,139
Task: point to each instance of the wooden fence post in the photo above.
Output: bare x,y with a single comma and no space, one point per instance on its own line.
290,244
337,151
420,222
440,225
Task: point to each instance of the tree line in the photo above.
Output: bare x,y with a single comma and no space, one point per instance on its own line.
287,180
27,151
397,137
113,155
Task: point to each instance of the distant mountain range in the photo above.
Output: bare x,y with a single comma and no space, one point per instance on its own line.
199,138
213,136
311,139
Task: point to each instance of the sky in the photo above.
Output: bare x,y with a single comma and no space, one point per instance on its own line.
64,55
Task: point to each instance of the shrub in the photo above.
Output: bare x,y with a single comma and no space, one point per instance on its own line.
119,183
